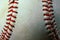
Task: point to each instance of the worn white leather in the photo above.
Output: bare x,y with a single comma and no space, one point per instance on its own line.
29,23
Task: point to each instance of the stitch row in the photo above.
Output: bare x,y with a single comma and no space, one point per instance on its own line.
49,19
11,19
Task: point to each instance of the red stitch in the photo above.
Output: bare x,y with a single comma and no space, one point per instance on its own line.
48,18
10,19
47,14
13,7
49,27
44,0
49,0
8,36
12,11
10,24
13,3
8,28
11,15
3,36
7,32
4,29
45,5
51,23
45,9
48,10
3,33
52,26
48,6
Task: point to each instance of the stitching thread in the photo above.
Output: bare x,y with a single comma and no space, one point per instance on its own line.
49,19
11,19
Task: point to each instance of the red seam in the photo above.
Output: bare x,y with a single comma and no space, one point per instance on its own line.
50,17
10,20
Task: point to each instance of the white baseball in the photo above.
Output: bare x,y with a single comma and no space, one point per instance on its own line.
30,24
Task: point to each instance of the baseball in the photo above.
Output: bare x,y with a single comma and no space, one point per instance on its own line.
29,19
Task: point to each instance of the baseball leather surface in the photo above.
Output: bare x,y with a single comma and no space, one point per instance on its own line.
25,19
